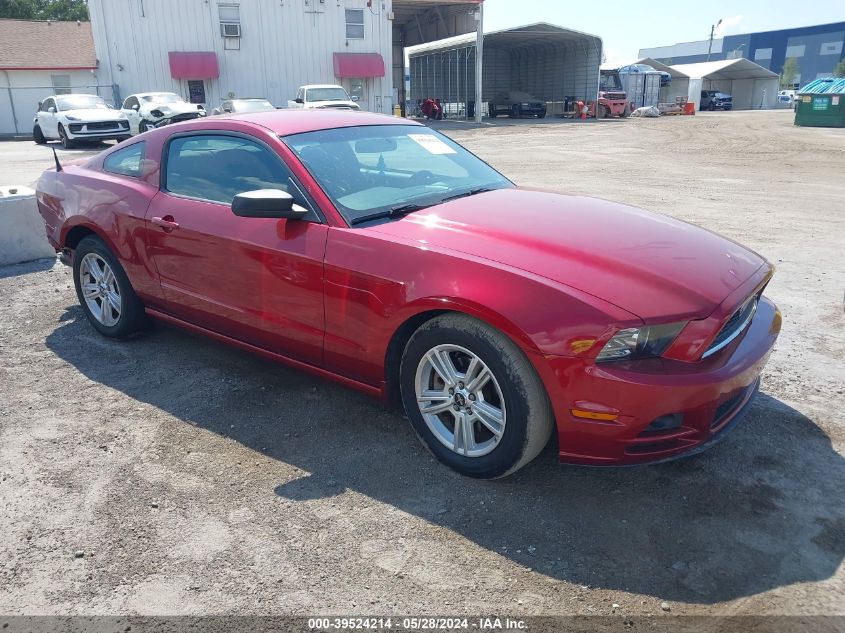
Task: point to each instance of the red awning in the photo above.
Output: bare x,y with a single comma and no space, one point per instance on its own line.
358,65
195,65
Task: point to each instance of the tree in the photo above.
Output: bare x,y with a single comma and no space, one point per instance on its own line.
44,10
839,71
790,72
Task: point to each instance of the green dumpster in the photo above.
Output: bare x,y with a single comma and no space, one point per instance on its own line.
821,103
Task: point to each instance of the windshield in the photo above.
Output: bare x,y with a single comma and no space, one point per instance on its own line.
326,94
610,82
381,170
252,105
162,97
80,102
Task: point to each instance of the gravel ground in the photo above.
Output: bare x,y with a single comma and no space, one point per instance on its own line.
172,475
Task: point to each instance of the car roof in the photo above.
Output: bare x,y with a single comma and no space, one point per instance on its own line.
295,120
322,86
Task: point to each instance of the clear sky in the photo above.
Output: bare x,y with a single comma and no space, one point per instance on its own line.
625,27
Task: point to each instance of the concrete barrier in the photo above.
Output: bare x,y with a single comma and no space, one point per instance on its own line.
22,236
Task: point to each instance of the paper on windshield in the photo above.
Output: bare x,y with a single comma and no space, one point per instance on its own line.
431,144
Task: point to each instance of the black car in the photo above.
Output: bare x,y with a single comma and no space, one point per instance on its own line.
715,100
516,104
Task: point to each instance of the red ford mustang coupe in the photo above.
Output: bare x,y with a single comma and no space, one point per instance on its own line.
379,253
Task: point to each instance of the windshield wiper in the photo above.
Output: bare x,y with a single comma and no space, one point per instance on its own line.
394,212
466,194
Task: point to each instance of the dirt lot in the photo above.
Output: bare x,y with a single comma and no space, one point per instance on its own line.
198,479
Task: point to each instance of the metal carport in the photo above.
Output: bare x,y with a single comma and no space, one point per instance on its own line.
547,61
752,86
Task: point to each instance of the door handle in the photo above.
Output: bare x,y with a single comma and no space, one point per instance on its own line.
167,223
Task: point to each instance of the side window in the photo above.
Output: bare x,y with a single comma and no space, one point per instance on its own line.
130,101
48,103
127,161
216,168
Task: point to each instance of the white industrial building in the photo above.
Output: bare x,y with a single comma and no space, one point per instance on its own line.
209,50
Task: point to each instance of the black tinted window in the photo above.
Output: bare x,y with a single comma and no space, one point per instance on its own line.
217,168
127,161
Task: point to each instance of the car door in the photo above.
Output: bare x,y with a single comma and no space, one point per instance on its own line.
131,111
48,121
258,280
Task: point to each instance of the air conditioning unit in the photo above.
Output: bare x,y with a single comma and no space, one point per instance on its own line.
230,29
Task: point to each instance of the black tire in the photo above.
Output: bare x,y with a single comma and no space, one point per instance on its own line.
515,111
627,111
38,135
132,319
603,112
66,142
528,420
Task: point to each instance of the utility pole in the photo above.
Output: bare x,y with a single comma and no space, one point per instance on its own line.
712,31
479,54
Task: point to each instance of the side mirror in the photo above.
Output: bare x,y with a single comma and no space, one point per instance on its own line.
51,110
299,100
40,103
136,107
267,203
355,98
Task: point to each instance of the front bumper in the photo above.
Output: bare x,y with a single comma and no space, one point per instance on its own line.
708,395
98,131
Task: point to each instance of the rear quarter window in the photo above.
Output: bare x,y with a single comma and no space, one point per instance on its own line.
126,161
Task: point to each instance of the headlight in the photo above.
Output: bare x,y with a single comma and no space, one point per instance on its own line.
72,118
157,113
642,342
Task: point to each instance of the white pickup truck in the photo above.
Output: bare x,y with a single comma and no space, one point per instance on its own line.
315,96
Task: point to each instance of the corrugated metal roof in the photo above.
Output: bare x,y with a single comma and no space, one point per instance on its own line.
539,34
33,45
824,86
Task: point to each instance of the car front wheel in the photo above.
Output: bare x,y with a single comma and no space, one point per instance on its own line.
66,142
104,291
473,397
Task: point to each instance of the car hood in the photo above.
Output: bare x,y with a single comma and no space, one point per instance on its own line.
334,104
170,109
651,265
94,114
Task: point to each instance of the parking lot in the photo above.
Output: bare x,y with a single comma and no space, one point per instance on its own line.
171,474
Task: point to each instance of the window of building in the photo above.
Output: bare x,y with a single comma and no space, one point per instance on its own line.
831,48
355,24
795,51
762,53
126,162
216,168
61,84
230,20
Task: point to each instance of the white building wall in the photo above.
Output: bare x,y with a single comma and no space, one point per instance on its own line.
21,90
284,44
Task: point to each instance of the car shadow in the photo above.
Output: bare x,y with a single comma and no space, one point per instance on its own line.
761,510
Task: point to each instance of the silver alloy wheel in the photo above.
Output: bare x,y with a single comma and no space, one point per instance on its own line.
460,400
99,289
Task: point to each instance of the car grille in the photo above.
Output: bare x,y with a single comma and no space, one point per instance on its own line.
187,116
735,325
99,126
103,125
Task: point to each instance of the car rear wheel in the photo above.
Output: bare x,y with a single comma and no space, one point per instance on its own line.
473,397
66,142
38,135
515,111
104,291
